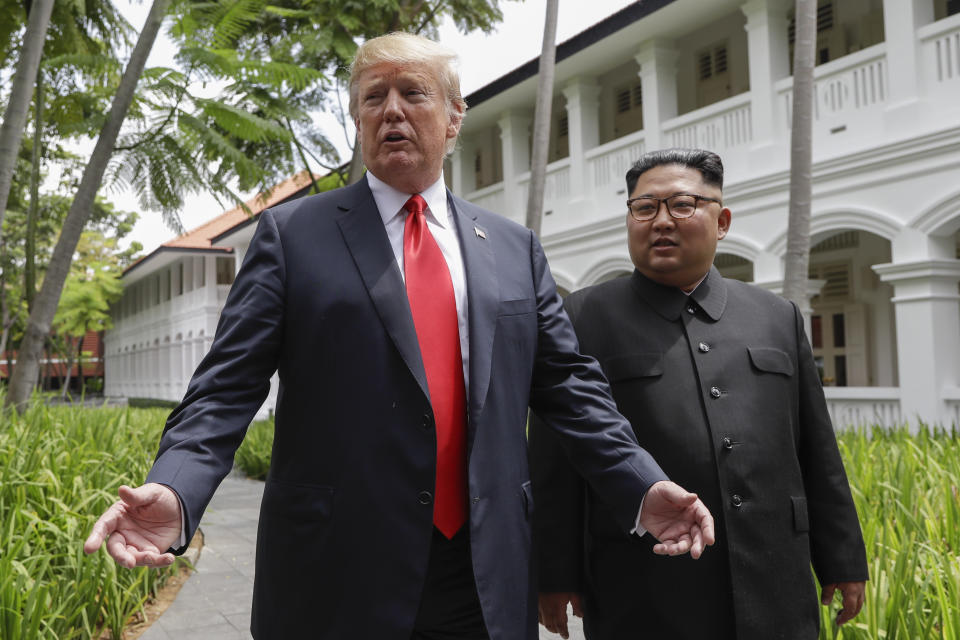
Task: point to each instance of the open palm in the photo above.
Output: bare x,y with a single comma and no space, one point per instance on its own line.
139,527
677,519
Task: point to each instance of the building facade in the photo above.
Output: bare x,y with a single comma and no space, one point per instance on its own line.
885,260
884,268
165,322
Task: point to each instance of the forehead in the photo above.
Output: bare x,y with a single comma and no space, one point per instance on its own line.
670,178
390,73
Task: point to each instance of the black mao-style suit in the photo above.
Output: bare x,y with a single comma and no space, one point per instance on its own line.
722,389
346,520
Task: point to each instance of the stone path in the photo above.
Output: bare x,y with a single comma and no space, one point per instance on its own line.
214,602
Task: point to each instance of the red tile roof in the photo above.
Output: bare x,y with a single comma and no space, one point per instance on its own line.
199,238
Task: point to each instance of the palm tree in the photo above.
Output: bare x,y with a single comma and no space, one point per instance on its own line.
45,305
796,272
541,119
15,116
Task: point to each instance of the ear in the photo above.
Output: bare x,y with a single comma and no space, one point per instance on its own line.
455,121
723,223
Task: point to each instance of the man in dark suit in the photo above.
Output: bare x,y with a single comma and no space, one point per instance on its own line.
410,330
718,380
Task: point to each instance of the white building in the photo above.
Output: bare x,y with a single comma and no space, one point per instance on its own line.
716,75
165,321
662,73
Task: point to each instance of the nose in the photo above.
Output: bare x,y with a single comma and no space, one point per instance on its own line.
663,219
392,108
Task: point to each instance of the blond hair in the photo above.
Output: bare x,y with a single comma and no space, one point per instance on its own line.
400,48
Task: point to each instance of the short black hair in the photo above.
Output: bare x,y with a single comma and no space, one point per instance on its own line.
706,162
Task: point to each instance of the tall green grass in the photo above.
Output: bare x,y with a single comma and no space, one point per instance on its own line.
59,469
253,456
906,491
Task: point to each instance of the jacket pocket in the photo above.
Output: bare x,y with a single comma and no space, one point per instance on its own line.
771,360
516,307
801,520
527,493
303,502
633,365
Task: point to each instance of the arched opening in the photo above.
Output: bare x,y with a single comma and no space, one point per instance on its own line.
734,267
852,327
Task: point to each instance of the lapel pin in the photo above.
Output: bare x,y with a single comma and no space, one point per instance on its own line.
480,233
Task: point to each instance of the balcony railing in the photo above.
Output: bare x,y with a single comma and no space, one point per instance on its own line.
940,51
608,163
863,406
490,198
719,127
556,186
853,83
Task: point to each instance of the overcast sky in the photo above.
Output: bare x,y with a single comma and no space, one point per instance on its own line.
483,59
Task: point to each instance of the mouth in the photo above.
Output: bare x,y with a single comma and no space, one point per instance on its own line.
394,136
664,243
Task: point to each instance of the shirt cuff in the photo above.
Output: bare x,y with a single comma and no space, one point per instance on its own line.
638,530
182,541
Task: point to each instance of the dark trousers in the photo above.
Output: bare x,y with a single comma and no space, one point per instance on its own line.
450,607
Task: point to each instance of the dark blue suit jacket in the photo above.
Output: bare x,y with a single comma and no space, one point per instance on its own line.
344,532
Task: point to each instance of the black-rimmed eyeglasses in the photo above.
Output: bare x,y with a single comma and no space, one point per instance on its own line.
679,205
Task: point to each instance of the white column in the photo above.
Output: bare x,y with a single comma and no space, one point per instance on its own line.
768,56
901,18
464,178
515,134
583,123
658,77
927,311
210,280
239,253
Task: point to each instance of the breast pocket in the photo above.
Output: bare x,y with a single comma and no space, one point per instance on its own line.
516,307
632,366
771,360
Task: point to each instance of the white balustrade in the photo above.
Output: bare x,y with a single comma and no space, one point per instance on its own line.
718,127
608,163
940,51
841,87
556,184
863,406
490,198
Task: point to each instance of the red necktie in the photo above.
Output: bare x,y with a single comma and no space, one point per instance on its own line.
434,308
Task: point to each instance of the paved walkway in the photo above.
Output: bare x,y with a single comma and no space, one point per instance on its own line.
214,602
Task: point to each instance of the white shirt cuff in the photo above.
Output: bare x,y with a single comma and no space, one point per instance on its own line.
638,530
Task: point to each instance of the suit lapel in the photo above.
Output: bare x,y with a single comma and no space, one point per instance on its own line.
363,232
483,295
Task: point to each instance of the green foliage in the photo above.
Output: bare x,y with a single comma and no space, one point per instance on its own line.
253,456
151,403
906,491
59,469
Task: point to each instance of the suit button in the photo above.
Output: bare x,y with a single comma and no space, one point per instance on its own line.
704,347
691,310
424,497
727,443
426,421
715,392
736,500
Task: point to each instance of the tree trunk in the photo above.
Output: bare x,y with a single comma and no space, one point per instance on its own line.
356,161
29,265
15,116
45,305
797,267
68,371
541,119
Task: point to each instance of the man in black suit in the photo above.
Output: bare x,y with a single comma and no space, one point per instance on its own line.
718,381
410,330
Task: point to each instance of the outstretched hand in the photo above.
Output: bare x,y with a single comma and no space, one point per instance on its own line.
677,519
139,527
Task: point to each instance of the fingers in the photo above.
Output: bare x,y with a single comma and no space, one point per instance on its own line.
102,528
705,522
853,597
577,602
673,546
826,596
552,612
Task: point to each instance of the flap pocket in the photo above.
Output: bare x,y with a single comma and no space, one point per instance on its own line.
527,492
771,360
801,521
633,365
516,307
